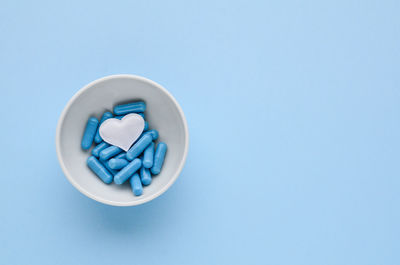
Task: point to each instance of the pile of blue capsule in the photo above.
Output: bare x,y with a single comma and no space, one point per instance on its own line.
111,163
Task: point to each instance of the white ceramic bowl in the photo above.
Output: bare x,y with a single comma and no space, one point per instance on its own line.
163,114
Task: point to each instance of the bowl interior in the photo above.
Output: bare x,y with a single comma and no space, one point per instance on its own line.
163,114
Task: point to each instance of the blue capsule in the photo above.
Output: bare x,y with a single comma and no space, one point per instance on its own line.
136,185
139,147
100,147
109,152
117,163
90,131
153,134
121,116
139,106
105,164
148,156
145,176
106,115
121,155
125,173
159,158
99,170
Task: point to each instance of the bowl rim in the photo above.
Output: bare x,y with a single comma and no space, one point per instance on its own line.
97,198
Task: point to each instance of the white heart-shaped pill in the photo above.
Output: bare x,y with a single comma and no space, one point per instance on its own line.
122,133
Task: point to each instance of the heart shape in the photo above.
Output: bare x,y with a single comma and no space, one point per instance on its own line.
122,133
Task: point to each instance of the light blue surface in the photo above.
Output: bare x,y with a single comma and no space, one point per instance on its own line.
293,110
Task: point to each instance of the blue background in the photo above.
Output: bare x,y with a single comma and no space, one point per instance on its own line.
293,112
